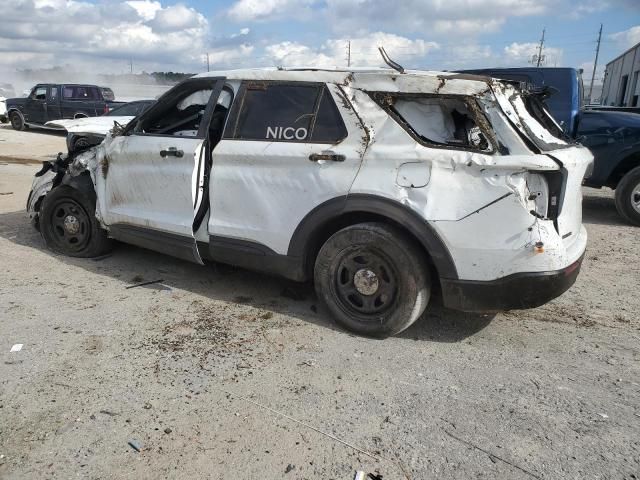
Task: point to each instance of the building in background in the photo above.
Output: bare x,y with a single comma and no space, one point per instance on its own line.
621,86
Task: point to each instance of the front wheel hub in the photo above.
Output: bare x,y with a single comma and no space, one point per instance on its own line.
366,282
635,198
71,225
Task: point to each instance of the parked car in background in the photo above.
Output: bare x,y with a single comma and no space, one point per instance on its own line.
108,94
48,101
6,91
83,133
376,184
3,110
612,135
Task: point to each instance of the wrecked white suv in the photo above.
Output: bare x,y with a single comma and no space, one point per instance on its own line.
379,186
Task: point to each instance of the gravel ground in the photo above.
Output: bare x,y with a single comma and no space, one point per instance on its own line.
215,372
32,145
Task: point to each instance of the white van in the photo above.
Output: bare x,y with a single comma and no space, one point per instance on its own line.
375,185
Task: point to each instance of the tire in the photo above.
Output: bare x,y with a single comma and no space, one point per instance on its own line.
17,122
373,279
3,119
628,197
69,226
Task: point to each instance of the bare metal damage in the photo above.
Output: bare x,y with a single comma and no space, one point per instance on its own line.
489,206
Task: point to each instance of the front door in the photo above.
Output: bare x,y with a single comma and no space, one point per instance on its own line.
150,183
36,106
287,148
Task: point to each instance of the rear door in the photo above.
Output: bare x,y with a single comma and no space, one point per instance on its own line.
53,103
150,183
287,148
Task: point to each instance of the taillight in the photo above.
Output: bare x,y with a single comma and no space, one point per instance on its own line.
556,181
106,109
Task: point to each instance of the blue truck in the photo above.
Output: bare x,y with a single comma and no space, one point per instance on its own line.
48,101
613,136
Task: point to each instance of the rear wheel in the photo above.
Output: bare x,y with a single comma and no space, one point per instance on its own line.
373,279
69,226
17,122
628,197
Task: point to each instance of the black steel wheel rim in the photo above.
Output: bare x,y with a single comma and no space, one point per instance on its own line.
16,121
365,283
69,225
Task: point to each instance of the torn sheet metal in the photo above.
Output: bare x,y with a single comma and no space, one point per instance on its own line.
89,126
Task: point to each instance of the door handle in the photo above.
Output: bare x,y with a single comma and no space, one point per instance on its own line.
328,155
171,151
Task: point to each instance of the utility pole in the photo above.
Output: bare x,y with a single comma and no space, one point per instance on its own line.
131,65
595,64
208,61
349,53
540,48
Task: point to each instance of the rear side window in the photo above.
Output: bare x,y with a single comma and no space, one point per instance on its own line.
437,120
286,113
80,93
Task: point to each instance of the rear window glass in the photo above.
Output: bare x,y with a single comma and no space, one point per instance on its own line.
129,109
436,120
107,94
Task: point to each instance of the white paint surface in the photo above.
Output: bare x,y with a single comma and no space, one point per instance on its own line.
478,202
90,125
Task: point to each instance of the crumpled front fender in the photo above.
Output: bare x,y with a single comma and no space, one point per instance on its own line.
39,188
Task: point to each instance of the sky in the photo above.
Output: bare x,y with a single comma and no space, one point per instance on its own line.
113,36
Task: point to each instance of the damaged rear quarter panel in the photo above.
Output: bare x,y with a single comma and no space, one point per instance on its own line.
479,203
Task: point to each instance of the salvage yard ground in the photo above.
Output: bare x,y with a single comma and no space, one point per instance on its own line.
216,372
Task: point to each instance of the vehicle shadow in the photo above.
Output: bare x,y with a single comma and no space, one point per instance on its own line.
600,210
132,265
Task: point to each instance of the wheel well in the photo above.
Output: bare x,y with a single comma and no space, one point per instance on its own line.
80,115
624,167
327,229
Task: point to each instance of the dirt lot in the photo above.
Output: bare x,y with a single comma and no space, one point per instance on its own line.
221,373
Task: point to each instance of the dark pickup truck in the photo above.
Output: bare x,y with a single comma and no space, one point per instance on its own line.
49,101
612,134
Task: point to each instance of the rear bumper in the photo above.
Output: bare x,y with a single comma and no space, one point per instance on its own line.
513,292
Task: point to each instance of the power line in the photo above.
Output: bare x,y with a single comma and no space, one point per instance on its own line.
595,63
349,53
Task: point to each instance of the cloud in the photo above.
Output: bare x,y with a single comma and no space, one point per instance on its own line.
146,9
627,38
364,51
84,33
258,10
460,16
521,53
177,18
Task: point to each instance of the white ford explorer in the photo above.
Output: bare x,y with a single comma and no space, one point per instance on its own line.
376,185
